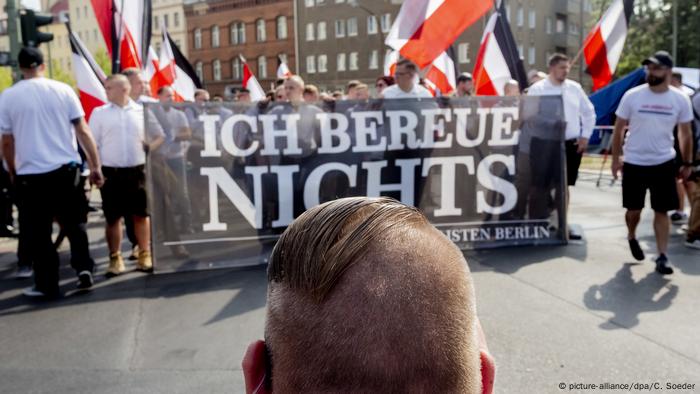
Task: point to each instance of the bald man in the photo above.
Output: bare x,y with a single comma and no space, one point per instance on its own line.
118,128
364,295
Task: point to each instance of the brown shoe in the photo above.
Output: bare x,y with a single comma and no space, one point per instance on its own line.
145,262
116,265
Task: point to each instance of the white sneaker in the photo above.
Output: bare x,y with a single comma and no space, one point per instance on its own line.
24,272
33,292
693,244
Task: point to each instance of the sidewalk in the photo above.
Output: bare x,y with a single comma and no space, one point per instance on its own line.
584,313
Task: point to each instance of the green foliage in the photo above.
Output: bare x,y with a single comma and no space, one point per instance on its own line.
103,60
5,78
59,74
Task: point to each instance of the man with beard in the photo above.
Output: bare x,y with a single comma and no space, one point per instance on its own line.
652,111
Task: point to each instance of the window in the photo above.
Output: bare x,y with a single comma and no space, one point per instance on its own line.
216,66
77,12
85,11
532,19
340,62
236,69
463,53
310,29
352,27
520,16
166,20
155,21
371,24
309,3
237,33
215,37
199,70
386,23
260,33
374,60
321,31
322,63
281,27
198,38
176,19
520,51
320,2
548,25
262,67
353,61
531,55
340,28
310,64
561,23
573,28
94,34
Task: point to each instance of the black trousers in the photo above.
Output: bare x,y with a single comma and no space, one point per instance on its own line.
44,197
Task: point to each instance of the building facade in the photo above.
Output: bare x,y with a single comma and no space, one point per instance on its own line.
84,24
342,40
171,14
220,31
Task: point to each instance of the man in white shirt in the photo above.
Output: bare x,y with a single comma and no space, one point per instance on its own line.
652,111
119,133
406,83
578,112
42,123
693,236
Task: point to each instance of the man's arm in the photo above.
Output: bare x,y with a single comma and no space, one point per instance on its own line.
618,134
8,153
156,143
82,132
685,143
588,120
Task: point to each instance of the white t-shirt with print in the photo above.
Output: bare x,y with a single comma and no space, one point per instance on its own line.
652,118
38,113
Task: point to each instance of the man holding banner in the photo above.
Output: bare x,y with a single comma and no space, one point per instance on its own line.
578,112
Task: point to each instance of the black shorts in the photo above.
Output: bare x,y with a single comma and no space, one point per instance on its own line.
659,179
124,193
573,161
546,165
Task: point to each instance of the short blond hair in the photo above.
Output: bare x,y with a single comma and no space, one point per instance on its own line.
365,295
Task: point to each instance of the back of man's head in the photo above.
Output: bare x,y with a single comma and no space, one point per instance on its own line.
366,296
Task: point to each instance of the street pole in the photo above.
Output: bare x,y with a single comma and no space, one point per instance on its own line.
581,29
13,35
674,7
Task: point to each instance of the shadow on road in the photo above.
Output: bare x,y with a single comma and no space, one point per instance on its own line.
627,299
511,260
247,285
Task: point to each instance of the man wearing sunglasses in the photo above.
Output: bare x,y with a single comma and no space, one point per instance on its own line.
364,295
652,111
406,83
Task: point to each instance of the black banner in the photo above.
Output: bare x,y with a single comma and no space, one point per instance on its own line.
488,172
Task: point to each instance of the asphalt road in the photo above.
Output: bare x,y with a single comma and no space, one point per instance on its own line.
583,313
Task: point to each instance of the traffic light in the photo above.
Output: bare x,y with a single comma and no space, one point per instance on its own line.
31,22
6,59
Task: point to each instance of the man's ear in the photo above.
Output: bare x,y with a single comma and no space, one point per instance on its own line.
488,372
254,367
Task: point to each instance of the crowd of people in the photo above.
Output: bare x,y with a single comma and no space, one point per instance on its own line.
49,149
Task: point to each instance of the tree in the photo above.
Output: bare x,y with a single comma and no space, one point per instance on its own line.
5,78
103,60
59,74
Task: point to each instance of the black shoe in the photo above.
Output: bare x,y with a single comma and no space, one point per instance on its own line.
636,250
84,280
574,236
662,265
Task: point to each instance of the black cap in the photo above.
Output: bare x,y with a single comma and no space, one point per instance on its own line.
661,58
464,77
30,57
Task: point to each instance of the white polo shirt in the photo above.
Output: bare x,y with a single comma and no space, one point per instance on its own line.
395,92
38,113
578,109
119,134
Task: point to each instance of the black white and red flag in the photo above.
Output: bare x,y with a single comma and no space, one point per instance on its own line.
89,76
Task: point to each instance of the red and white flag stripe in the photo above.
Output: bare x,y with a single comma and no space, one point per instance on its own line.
425,28
126,28
442,74
89,77
251,83
283,70
175,71
390,60
604,44
498,60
